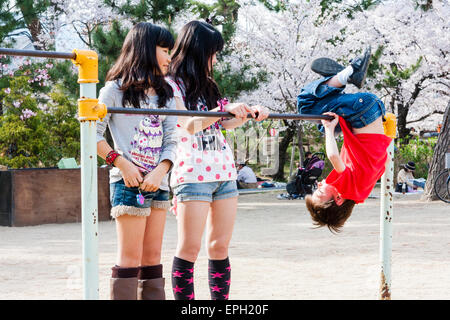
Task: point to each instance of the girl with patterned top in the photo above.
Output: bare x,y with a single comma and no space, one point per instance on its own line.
203,177
144,150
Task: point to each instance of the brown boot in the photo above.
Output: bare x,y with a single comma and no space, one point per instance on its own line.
123,288
151,289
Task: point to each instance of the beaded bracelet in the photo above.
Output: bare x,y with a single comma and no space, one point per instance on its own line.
222,103
111,157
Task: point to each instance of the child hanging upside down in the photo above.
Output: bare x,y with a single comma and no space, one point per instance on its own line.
363,156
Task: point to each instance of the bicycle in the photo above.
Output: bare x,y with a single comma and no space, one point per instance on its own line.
442,182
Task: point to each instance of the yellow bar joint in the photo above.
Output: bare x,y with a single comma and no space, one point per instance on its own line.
90,109
87,63
390,125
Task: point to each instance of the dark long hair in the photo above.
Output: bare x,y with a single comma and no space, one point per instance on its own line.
191,63
137,66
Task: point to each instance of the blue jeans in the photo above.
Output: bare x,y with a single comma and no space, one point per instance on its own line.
419,183
206,191
359,109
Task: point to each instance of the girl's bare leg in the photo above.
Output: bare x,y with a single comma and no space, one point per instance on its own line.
220,226
130,236
153,237
191,216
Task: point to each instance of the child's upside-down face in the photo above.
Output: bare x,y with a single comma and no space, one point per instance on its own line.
325,193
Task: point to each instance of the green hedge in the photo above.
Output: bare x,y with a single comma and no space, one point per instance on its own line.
38,124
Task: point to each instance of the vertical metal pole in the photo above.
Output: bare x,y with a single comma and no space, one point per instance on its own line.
386,216
89,200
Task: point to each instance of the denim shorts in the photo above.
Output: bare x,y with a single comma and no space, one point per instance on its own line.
367,108
124,200
206,191
359,109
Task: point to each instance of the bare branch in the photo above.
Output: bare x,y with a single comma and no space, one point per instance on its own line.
79,33
443,83
286,99
425,116
418,86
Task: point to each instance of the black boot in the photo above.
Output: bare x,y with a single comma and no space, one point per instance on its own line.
328,67
360,66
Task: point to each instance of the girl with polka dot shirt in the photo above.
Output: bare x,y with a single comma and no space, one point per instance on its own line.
203,177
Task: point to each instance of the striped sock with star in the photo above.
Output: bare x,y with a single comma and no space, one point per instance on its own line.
219,275
183,279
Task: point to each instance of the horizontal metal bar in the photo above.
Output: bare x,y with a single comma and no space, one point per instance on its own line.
38,53
292,116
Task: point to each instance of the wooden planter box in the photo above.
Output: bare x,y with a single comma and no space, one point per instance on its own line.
48,195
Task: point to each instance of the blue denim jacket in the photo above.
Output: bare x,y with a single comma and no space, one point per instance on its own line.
359,109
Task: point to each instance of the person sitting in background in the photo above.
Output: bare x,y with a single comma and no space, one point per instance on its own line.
413,132
406,176
246,178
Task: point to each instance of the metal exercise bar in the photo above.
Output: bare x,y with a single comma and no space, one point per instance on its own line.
293,116
37,53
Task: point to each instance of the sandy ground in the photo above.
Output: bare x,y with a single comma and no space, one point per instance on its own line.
275,254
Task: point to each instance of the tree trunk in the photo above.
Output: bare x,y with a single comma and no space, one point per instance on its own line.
437,164
31,19
282,151
401,120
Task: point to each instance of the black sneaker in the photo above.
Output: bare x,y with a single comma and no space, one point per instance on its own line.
326,67
360,66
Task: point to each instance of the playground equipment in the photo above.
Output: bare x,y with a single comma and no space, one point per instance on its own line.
387,212
90,110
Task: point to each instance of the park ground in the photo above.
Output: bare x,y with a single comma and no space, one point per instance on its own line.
275,253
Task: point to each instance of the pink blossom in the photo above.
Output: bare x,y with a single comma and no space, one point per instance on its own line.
7,90
27,113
